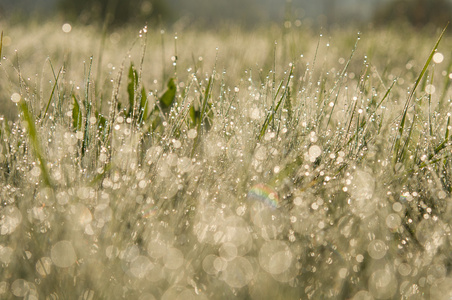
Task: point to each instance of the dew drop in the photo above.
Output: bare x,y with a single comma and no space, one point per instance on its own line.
238,273
63,254
208,264
10,218
363,295
404,269
314,152
192,133
228,251
66,28
130,253
43,266
141,266
15,97
275,257
376,249
393,221
173,259
438,57
382,284
430,89
3,287
20,287
6,254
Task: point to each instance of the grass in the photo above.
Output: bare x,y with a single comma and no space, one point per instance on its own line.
233,165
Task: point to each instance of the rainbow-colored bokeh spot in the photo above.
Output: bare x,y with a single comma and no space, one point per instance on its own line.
149,211
264,193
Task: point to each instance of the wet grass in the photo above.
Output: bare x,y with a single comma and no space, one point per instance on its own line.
232,165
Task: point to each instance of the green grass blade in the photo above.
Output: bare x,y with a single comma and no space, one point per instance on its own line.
444,143
338,84
34,141
76,115
405,145
168,97
206,99
42,117
131,86
1,45
410,96
446,136
424,69
271,114
144,107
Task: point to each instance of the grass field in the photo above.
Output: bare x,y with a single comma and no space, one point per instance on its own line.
279,163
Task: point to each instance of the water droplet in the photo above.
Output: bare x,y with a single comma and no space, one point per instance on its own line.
363,295
10,218
20,287
314,152
441,289
208,264
275,257
192,133
103,213
147,296
36,171
238,273
173,259
382,284
130,253
63,254
404,269
228,251
66,28
179,293
111,252
44,266
397,207
15,97
393,221
376,249
438,58
81,215
6,254
430,89
3,287
430,233
141,266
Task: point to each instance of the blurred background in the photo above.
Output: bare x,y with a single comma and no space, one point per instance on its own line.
247,13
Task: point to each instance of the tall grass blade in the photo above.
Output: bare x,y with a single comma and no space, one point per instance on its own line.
205,102
131,86
167,99
1,46
76,114
271,114
401,126
35,143
56,77
444,143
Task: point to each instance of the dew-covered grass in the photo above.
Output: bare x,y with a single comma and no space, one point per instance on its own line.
272,164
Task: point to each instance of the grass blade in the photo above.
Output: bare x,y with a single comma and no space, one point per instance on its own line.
271,114
42,117
1,45
401,126
34,141
168,97
76,115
